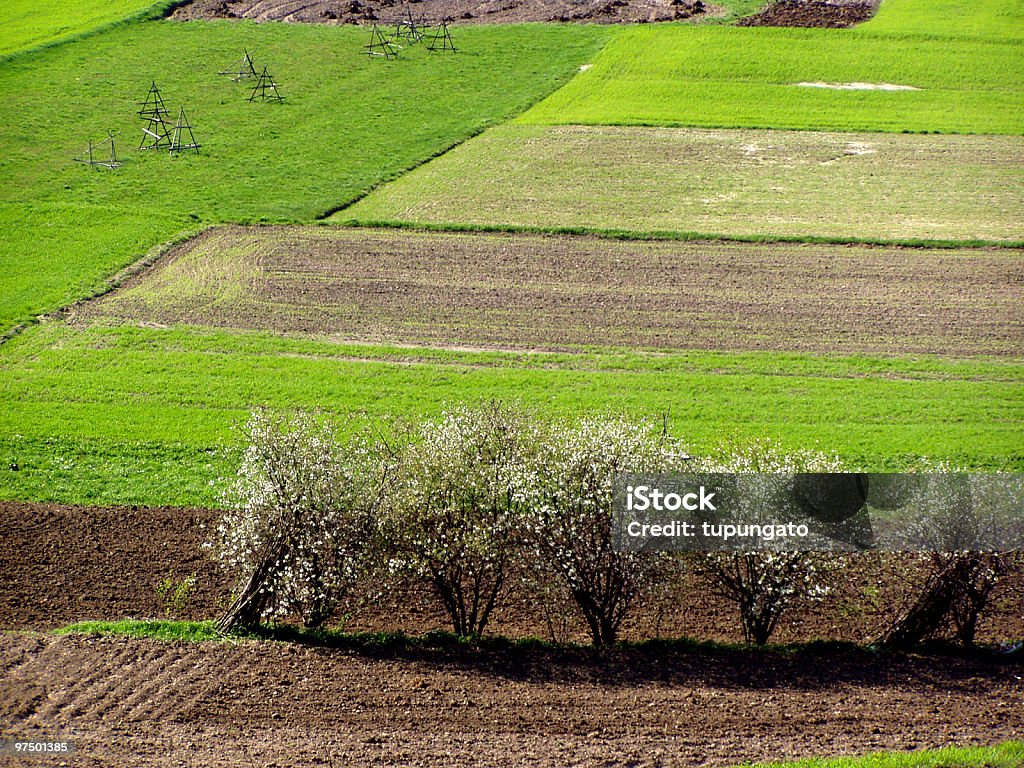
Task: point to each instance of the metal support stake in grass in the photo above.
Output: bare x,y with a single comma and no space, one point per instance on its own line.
442,39
242,70
380,45
265,89
156,132
178,142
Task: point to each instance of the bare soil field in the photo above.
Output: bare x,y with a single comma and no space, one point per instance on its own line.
461,11
169,704
150,703
546,292
62,564
812,13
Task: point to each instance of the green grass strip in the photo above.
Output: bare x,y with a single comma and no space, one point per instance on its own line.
1007,755
29,25
160,629
340,219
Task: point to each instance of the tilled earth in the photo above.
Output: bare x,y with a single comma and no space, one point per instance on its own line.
813,13
537,292
461,11
150,703
128,702
61,564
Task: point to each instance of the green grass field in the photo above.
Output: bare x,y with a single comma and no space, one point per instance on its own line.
30,23
348,122
735,77
1007,755
745,183
985,19
124,414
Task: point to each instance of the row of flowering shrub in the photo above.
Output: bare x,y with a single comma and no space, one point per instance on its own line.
472,497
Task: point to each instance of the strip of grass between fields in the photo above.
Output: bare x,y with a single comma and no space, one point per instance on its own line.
129,415
338,219
397,640
1007,755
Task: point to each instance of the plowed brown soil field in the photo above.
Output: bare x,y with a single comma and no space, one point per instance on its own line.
150,703
813,13
548,292
61,564
127,702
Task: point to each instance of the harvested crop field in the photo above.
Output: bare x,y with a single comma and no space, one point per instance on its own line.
462,11
560,292
152,703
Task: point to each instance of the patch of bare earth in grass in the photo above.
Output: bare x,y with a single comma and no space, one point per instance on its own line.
460,11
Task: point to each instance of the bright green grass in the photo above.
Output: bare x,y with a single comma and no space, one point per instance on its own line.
348,123
992,19
1007,755
736,77
736,183
160,629
136,415
28,23
74,247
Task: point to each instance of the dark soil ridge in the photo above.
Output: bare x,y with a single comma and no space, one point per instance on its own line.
831,14
459,11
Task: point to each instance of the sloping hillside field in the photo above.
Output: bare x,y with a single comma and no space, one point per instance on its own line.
345,125
798,247
132,398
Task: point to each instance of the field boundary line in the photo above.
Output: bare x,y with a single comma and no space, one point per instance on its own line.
671,235
511,119
752,126
321,218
